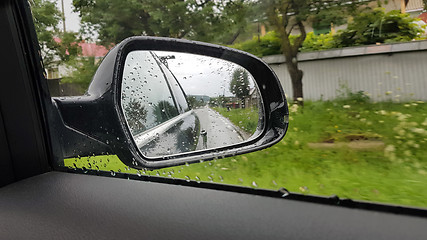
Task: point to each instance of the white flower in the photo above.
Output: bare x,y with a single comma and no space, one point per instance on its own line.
346,106
294,108
418,130
299,99
389,148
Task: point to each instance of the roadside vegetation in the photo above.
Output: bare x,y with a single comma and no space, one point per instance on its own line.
371,151
246,118
383,27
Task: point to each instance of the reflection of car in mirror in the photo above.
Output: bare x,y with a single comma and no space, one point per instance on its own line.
179,103
156,108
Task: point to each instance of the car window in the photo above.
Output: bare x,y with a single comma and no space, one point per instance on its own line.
353,73
146,103
179,94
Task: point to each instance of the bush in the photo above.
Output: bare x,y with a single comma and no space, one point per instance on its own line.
269,44
376,26
83,71
368,27
318,42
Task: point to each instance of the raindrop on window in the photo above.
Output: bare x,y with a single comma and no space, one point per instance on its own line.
284,192
187,178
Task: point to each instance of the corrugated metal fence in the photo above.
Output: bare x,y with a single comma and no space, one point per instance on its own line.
395,72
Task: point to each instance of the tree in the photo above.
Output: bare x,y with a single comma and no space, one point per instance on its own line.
136,116
83,71
239,84
289,15
204,20
54,44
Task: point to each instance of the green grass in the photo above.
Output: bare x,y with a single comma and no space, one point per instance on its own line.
246,119
396,174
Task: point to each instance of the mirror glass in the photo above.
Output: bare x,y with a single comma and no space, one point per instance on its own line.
178,102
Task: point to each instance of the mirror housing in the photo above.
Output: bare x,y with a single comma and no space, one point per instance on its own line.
94,124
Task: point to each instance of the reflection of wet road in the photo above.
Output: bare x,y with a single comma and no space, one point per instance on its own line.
220,131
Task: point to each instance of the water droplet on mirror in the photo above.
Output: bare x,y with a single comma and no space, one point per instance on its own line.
254,184
197,179
187,178
112,173
284,192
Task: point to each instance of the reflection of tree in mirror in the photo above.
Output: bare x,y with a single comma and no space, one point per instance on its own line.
239,84
136,115
164,111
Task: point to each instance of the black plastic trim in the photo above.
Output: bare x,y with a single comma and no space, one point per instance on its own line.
281,193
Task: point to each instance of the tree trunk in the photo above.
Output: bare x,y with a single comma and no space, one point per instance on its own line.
296,79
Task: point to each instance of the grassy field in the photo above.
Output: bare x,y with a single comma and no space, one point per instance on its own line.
395,173
246,119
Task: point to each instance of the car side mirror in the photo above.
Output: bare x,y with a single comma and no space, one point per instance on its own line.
159,102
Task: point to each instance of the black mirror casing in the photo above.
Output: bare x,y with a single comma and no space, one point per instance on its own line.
94,124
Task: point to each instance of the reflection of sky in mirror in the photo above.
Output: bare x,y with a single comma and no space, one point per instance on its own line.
202,75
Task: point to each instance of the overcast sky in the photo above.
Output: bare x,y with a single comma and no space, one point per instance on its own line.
202,75
72,20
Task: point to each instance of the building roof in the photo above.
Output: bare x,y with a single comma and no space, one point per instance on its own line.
93,50
89,49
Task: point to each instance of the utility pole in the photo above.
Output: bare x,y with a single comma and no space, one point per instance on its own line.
63,16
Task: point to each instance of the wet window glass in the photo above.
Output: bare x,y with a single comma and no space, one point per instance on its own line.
146,97
177,90
355,84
